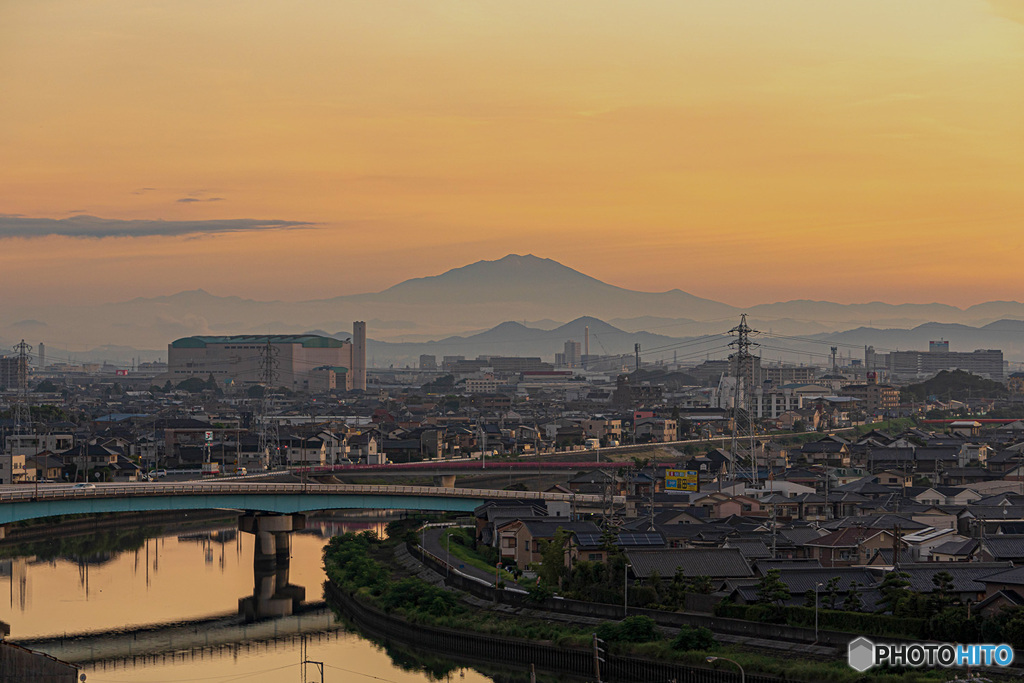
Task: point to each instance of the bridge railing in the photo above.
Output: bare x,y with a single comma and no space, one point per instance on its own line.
60,492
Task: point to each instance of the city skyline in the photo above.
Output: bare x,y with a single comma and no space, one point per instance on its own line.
742,152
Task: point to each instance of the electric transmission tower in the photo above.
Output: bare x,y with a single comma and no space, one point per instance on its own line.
269,440
743,446
22,412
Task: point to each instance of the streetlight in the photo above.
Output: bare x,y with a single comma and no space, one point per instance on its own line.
816,587
743,676
625,590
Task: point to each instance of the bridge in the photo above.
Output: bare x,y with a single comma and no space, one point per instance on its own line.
23,503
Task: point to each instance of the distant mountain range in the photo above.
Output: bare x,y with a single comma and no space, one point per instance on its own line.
423,313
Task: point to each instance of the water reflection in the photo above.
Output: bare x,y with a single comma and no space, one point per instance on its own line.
273,595
150,575
201,602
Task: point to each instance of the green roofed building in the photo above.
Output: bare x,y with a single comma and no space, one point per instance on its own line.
302,362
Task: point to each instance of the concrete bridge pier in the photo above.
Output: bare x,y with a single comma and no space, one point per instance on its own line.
446,481
273,540
272,594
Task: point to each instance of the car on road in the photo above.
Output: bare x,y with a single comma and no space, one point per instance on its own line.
83,486
157,474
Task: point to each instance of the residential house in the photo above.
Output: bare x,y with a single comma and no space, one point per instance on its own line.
719,564
850,546
521,540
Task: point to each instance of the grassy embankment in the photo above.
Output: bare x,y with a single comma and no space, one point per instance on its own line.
361,565
461,548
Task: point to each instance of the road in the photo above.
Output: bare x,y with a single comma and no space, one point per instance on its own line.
432,543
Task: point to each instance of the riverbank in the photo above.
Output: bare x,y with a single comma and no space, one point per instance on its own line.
363,575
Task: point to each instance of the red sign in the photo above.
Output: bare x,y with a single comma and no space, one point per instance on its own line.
122,373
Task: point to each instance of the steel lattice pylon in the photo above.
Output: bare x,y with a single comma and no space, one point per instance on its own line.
22,411
743,447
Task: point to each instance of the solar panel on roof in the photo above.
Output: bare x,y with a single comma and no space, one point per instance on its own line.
586,539
640,539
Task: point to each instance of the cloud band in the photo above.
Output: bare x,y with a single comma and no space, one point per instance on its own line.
91,226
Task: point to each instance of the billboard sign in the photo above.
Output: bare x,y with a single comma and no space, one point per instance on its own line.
681,480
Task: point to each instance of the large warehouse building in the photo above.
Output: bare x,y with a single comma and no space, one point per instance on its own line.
301,362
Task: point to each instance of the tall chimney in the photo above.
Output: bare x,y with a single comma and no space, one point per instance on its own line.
586,344
359,355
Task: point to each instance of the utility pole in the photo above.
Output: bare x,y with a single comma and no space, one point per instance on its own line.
597,659
483,446
775,525
268,438
742,362
828,504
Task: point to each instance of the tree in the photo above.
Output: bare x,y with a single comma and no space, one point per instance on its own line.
771,590
832,592
942,596
894,588
853,601
552,555
192,385
701,584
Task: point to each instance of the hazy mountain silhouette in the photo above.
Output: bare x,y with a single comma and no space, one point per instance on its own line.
516,339
474,297
552,289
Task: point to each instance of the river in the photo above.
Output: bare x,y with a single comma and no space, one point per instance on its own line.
198,586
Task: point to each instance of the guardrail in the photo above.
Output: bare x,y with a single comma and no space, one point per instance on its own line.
62,492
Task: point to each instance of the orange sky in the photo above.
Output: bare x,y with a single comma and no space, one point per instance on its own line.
742,150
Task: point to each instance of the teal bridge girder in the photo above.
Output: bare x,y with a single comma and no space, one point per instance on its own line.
26,502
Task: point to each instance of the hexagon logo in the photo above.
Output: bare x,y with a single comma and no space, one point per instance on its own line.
862,654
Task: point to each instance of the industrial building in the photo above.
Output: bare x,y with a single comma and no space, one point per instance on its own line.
300,362
909,365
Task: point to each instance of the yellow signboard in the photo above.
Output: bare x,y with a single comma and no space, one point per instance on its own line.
681,480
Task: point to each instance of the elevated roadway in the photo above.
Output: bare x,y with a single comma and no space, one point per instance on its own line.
23,503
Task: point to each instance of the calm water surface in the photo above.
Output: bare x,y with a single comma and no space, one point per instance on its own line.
204,582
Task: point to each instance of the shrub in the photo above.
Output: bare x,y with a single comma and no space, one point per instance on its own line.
638,629
539,593
694,638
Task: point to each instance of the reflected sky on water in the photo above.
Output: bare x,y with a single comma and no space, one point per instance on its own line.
189,576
